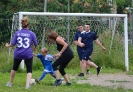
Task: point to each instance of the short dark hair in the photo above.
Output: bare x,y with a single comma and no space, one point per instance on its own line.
87,24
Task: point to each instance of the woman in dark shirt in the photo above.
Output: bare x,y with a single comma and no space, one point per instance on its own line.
65,55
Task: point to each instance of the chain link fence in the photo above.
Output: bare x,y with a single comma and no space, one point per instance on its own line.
9,7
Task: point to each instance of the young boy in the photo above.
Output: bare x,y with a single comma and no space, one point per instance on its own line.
46,60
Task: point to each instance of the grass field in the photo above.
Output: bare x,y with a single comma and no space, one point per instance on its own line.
46,83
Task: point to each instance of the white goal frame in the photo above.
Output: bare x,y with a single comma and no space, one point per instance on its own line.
86,14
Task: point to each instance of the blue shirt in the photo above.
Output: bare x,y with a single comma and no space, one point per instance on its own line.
77,35
88,38
46,61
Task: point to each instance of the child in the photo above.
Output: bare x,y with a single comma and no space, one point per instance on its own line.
46,60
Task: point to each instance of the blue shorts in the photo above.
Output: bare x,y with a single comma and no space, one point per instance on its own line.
87,53
80,51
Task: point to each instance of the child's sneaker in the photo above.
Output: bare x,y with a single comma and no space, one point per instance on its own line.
57,82
37,80
27,87
9,84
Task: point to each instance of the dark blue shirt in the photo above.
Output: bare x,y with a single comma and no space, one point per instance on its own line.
88,38
77,35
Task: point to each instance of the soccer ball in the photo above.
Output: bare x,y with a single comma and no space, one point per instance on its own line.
32,82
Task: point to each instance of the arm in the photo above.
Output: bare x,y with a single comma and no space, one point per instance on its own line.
80,43
99,43
8,45
76,43
34,55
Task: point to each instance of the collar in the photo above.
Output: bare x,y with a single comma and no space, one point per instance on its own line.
88,31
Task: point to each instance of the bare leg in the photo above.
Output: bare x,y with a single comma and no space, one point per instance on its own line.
57,74
91,64
83,65
66,78
28,78
12,75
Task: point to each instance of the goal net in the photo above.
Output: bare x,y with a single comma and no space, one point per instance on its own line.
110,28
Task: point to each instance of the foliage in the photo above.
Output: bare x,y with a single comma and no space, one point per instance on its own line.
122,4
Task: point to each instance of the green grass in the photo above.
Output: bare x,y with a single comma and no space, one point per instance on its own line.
46,84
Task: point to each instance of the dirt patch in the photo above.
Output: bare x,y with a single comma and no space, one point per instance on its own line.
109,80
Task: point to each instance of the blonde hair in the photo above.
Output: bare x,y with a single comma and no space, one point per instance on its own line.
24,22
45,50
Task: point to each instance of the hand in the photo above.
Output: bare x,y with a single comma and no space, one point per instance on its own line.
34,54
7,45
82,44
57,55
104,48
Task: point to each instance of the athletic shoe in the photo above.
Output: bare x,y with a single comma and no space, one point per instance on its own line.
68,84
9,84
99,70
27,87
81,75
57,82
88,72
37,80
62,79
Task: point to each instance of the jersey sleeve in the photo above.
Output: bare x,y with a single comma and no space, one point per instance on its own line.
94,36
76,37
49,57
39,55
34,39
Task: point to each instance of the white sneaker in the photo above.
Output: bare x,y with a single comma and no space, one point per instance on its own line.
9,84
62,79
27,87
88,72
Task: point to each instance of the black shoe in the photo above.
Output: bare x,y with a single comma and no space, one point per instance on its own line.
68,84
57,82
81,74
99,70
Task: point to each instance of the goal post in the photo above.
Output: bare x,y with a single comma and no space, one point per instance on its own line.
100,23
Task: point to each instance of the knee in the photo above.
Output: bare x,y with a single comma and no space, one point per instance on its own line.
54,67
61,70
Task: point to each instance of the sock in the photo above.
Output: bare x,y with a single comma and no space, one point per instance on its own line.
43,75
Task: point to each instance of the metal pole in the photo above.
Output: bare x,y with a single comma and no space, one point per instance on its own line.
68,25
45,5
126,43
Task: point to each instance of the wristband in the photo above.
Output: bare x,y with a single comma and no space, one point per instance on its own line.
60,52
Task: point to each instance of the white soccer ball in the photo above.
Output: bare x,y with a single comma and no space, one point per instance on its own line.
32,82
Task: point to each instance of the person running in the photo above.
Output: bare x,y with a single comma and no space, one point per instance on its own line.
85,40
23,39
79,49
46,60
65,55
